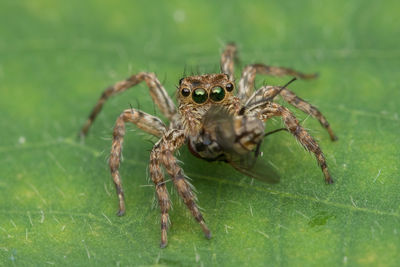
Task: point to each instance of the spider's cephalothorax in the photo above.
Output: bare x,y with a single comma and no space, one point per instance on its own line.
218,119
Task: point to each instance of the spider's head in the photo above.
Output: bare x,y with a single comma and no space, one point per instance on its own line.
205,89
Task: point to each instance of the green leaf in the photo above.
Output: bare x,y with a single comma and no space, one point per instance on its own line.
58,202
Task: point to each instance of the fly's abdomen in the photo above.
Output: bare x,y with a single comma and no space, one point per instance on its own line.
248,131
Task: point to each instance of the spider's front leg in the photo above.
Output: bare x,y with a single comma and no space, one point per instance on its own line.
144,121
163,153
292,124
157,92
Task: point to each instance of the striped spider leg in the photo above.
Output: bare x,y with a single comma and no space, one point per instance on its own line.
157,92
147,123
246,82
270,92
163,153
271,109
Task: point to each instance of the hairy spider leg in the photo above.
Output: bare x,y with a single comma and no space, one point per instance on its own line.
157,177
246,82
157,92
273,109
290,97
144,121
163,153
227,62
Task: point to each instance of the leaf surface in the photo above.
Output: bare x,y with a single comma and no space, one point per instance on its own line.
57,199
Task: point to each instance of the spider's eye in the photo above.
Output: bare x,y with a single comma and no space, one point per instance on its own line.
199,95
185,92
217,94
229,87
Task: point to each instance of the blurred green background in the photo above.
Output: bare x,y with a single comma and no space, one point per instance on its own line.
57,201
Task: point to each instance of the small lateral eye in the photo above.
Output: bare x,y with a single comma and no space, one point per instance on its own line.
217,94
229,87
199,95
185,92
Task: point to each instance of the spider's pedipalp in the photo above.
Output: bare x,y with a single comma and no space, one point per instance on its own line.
157,92
246,82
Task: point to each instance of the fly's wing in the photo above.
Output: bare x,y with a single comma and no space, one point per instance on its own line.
219,125
254,167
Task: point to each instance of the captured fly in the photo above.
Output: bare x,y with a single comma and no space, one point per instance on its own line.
235,140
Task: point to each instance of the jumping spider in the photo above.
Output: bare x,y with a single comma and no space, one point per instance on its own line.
212,120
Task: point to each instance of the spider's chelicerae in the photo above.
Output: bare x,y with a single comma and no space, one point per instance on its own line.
213,121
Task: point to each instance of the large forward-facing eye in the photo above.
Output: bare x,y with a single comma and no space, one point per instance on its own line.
199,95
217,94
